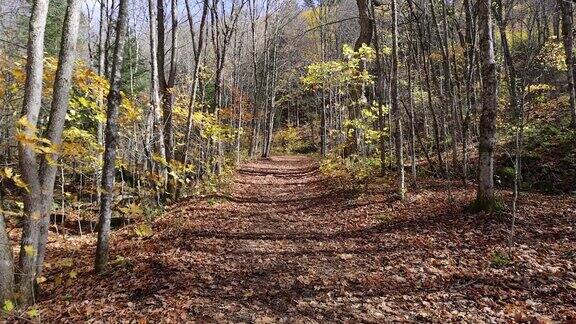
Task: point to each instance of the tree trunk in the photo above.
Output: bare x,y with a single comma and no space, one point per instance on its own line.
165,85
27,157
485,198
323,132
198,48
412,124
380,92
111,141
511,74
6,264
470,40
255,118
101,61
447,92
58,111
366,24
154,89
567,9
395,107
272,110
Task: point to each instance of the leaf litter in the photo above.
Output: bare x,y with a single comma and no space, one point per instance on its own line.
287,244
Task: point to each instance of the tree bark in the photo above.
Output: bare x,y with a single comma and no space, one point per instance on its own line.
101,63
27,157
567,10
485,198
511,74
58,112
111,141
412,124
198,48
6,264
166,84
380,91
154,89
366,24
395,107
272,110
470,41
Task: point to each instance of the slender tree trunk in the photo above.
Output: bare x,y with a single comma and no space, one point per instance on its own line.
412,124
6,264
154,89
380,91
556,21
323,133
58,112
108,174
166,84
447,91
511,74
366,24
255,118
27,157
101,61
470,40
197,56
272,112
239,129
485,197
395,107
567,9
167,95
364,38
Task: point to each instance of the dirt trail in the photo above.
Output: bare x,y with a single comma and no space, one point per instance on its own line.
283,197
286,245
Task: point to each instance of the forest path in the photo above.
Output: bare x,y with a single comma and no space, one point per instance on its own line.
282,242
287,244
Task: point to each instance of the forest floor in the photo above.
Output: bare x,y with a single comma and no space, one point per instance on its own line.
287,244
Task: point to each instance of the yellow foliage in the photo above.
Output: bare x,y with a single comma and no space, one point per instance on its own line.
132,210
8,306
8,173
552,55
30,250
143,231
129,113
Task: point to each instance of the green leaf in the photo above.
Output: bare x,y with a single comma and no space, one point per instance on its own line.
8,306
143,230
30,250
32,312
84,102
